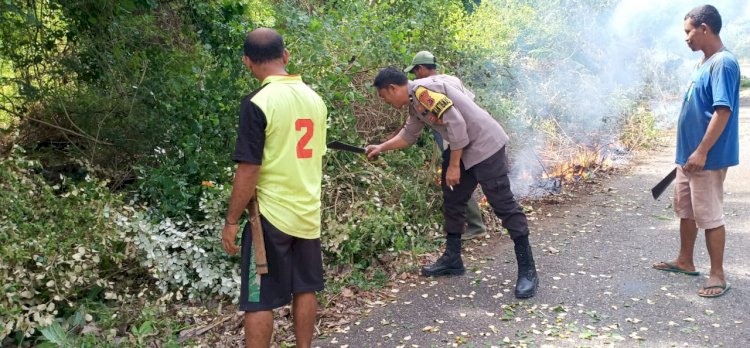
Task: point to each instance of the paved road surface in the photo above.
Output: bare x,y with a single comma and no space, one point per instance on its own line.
594,256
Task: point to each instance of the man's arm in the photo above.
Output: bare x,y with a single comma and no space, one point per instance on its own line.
243,189
394,143
456,131
453,174
697,159
248,153
453,119
403,138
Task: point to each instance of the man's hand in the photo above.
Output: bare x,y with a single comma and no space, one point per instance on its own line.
373,151
453,175
695,162
243,190
229,237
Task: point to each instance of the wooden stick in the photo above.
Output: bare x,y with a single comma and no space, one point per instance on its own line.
198,331
259,246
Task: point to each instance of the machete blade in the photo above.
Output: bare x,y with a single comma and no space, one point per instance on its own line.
662,185
337,145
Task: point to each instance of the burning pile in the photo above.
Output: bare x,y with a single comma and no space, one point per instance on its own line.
580,166
558,166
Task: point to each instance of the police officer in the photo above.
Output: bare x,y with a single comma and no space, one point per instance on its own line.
475,155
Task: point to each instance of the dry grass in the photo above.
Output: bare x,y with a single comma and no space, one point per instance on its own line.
376,120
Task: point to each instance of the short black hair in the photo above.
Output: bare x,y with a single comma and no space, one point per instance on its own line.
706,14
389,76
263,45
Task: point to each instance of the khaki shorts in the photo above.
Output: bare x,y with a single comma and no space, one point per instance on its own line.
700,197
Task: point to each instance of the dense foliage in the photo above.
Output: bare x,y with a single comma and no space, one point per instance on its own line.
60,245
144,95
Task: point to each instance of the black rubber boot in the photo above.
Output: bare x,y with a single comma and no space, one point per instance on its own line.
527,279
450,263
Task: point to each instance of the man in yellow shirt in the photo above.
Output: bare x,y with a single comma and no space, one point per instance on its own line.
279,150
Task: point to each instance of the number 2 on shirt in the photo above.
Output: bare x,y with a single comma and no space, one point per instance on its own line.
307,124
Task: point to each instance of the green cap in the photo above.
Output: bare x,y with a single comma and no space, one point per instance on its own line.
422,57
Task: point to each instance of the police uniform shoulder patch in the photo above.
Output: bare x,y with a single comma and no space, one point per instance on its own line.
434,102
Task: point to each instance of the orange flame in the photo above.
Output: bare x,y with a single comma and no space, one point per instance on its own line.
579,166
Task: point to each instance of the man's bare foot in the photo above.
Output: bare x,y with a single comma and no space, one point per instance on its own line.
714,287
676,266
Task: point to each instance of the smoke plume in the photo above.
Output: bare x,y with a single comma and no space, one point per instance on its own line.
610,61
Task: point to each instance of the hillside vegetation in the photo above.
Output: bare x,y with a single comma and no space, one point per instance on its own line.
118,119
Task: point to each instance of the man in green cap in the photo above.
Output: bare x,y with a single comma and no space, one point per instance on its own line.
424,65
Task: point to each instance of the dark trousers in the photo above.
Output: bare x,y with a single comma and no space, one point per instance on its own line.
492,175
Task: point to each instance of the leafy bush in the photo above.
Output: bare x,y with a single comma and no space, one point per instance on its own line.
149,92
380,207
111,81
60,246
186,253
146,93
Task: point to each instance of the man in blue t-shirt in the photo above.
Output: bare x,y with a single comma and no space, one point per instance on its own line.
707,144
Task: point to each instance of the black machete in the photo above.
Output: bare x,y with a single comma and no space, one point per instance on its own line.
337,145
662,185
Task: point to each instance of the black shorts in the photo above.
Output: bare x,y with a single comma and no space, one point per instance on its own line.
295,265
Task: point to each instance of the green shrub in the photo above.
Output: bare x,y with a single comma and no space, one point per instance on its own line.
744,82
185,254
639,129
60,246
149,91
381,208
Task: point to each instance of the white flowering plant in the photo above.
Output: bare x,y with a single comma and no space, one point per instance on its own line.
185,254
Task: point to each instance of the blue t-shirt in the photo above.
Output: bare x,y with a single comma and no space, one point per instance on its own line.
714,83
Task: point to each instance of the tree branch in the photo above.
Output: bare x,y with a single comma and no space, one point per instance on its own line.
66,130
